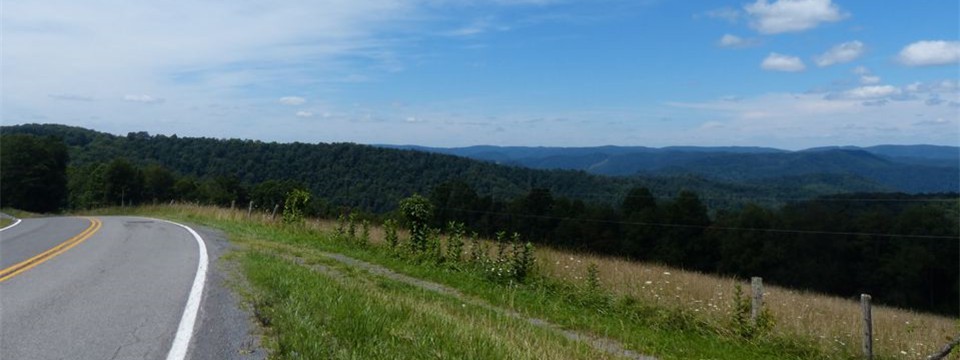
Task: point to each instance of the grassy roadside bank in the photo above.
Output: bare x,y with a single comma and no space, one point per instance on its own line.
293,309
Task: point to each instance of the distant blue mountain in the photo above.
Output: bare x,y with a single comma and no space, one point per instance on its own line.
908,168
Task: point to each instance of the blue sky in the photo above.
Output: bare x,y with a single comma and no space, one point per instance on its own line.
783,73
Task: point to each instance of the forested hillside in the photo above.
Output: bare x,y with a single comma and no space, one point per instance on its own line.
908,168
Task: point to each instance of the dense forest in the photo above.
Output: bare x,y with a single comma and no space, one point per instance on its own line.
901,247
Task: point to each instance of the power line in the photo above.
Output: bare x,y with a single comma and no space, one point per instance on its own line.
823,198
710,227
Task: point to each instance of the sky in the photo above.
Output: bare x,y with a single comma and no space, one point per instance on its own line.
789,74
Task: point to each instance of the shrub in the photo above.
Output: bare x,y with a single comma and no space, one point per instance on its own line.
455,241
417,210
352,225
740,321
390,230
365,232
294,206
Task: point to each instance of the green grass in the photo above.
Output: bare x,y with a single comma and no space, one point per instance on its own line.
19,214
309,314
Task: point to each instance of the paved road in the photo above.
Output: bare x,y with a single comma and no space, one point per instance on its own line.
116,289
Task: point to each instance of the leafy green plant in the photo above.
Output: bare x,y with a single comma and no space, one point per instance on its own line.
417,211
478,253
593,278
365,232
341,225
455,233
352,225
523,260
294,206
434,248
740,322
390,233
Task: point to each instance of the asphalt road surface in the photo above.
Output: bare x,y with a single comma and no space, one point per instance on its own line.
115,288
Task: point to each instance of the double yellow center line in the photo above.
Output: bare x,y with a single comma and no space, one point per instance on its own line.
52,252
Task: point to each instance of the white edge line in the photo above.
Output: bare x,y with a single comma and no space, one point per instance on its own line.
15,223
181,343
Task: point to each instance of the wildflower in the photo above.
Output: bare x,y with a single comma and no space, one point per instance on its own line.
648,282
666,273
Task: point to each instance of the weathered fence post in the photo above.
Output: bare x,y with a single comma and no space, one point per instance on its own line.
942,354
756,284
233,204
274,214
250,208
867,326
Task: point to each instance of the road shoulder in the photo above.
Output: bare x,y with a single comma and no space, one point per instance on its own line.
226,328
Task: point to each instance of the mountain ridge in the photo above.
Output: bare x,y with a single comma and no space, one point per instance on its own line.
909,168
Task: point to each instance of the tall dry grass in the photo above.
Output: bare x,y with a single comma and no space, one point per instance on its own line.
833,322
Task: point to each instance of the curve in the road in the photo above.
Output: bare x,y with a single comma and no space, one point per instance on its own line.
106,299
181,342
40,258
15,223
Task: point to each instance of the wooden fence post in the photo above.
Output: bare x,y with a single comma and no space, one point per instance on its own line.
867,326
756,284
250,208
274,214
233,204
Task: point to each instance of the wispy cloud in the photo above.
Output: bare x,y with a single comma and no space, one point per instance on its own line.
810,119
145,99
842,53
781,62
292,100
728,14
733,41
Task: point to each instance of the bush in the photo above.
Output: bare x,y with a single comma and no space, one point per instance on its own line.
455,241
390,230
740,321
417,211
295,205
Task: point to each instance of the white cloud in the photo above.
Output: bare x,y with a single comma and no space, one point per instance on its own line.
292,100
928,53
842,53
147,99
866,77
871,92
805,120
780,62
869,79
791,15
304,114
733,41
